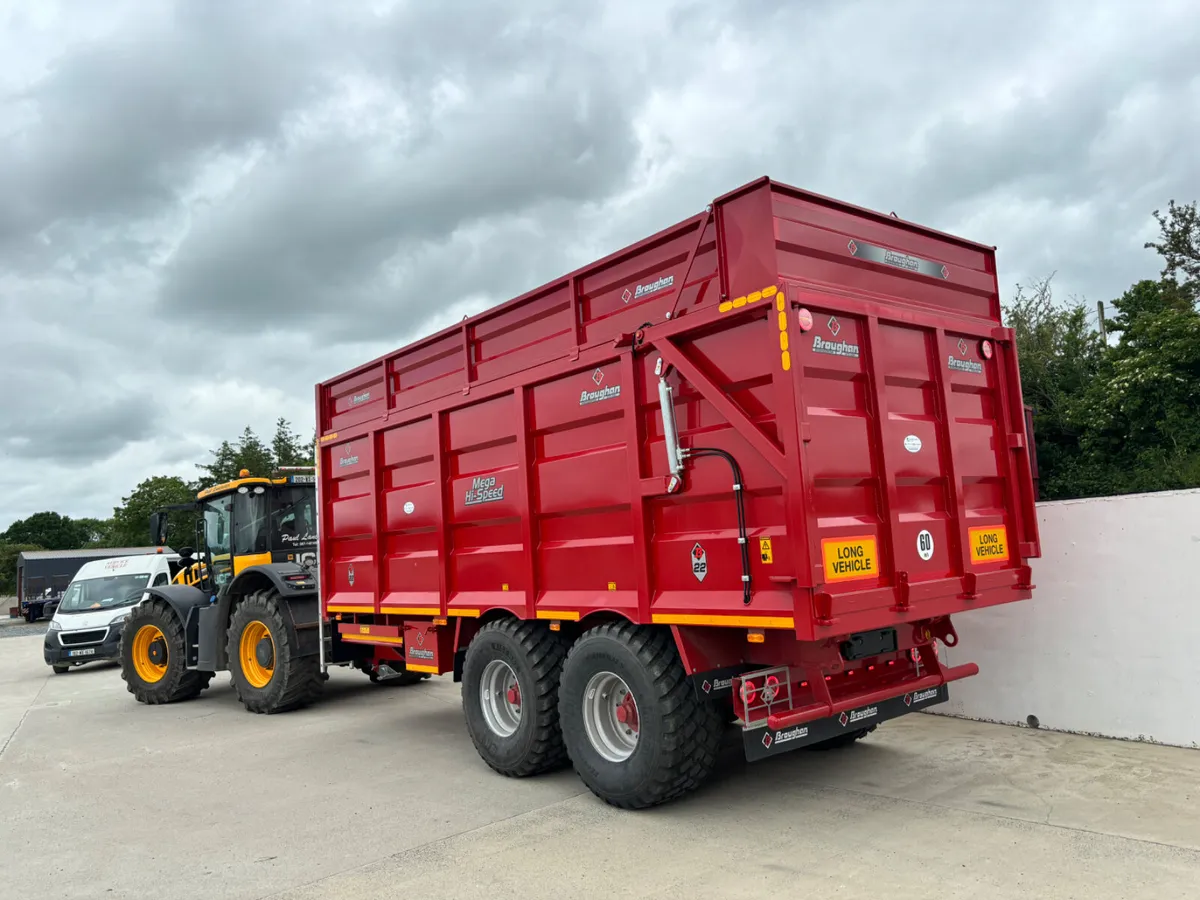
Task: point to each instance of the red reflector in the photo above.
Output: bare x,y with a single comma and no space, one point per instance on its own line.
805,318
749,692
770,689
985,347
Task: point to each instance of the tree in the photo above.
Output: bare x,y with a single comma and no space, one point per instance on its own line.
1059,357
1144,417
1179,246
229,460
131,520
286,447
8,566
49,530
1148,298
97,532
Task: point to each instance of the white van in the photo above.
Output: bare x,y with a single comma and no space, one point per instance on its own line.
86,627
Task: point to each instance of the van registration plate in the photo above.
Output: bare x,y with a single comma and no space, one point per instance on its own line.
87,651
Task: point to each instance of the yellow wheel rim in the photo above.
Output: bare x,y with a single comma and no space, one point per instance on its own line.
256,673
147,670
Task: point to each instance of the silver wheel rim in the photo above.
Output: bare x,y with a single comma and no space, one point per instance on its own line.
502,715
612,738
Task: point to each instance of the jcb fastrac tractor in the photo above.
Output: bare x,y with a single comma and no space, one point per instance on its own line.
245,600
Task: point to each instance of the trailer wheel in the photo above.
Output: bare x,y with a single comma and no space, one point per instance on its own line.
634,728
153,660
510,696
266,673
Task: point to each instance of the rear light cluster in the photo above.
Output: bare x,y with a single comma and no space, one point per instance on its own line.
765,691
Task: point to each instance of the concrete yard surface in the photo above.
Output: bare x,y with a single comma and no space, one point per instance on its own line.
378,793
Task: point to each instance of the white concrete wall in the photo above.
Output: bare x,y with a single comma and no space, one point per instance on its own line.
1110,643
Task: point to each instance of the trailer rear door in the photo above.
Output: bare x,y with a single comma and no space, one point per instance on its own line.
910,448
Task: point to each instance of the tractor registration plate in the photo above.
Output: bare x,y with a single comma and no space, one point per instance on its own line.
87,651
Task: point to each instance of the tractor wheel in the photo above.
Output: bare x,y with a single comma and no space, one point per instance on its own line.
153,661
266,672
510,696
636,732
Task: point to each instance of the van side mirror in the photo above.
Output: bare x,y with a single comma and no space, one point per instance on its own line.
158,528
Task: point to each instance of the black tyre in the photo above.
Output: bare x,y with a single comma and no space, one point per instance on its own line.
510,696
265,670
153,663
634,728
61,670
843,740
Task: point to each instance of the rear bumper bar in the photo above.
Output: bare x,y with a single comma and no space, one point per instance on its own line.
815,711
770,740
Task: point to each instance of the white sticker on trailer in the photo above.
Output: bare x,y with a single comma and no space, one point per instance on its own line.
912,444
925,545
699,562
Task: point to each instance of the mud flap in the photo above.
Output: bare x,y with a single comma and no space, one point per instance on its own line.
717,684
763,741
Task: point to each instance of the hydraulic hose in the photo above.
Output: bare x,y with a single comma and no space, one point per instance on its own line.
738,495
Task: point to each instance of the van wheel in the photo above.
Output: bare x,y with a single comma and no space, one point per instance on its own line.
61,670
635,730
510,696
266,672
153,664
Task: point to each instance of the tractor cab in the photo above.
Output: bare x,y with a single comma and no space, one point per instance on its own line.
246,522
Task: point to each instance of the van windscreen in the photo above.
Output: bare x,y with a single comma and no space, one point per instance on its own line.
104,593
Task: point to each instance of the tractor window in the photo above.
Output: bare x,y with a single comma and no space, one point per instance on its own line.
294,518
250,521
217,538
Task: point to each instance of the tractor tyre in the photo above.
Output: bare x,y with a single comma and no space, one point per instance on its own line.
510,696
265,670
153,660
635,730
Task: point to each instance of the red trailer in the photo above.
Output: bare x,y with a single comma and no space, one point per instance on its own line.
742,471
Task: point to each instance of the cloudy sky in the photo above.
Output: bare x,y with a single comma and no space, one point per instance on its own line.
207,206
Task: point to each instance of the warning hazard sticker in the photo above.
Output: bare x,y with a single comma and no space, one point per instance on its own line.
849,558
988,543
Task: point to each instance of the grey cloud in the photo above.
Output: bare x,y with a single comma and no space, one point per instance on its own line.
119,125
312,228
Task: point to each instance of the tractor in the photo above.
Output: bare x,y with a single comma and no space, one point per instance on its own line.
245,599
